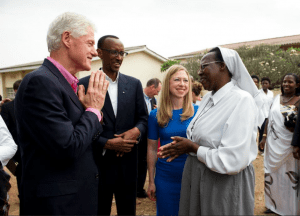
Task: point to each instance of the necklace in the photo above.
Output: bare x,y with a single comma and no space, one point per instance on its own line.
288,99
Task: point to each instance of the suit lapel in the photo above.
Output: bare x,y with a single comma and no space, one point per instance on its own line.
122,94
108,109
64,83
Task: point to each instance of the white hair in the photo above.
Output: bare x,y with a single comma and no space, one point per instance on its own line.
75,23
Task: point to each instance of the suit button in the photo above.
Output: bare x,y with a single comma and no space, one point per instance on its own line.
97,176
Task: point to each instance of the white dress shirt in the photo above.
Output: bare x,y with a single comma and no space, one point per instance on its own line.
113,95
113,92
148,103
8,147
269,98
226,130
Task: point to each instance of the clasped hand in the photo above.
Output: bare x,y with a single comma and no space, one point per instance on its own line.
96,92
124,142
176,148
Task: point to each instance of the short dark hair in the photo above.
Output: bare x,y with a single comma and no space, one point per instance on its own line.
153,81
196,88
102,39
219,57
17,84
267,79
297,80
255,77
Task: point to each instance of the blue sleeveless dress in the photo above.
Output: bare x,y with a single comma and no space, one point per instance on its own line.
168,174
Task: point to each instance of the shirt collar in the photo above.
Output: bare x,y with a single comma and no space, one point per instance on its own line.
146,96
221,92
109,79
264,91
72,80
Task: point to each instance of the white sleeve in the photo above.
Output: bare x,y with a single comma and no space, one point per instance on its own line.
8,146
238,142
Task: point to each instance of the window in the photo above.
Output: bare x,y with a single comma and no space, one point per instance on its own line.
10,93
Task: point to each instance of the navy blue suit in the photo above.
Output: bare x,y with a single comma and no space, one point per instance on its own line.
8,115
55,136
119,174
142,158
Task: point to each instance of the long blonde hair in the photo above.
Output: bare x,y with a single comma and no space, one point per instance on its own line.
164,113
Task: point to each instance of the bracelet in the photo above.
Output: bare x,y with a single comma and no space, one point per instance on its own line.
264,135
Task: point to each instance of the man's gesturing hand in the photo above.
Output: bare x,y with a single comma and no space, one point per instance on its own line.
95,95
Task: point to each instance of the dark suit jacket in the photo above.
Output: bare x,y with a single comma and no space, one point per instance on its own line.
131,112
296,136
8,115
55,136
4,188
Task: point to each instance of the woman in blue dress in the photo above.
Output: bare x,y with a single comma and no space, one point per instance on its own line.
172,118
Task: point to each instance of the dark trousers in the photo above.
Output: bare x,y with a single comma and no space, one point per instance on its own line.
125,196
142,165
261,132
19,176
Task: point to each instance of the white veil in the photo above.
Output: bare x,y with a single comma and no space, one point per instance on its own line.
243,80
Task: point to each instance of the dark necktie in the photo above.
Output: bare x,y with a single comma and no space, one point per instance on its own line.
153,102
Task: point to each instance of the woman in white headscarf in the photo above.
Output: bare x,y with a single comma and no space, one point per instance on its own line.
218,177
281,168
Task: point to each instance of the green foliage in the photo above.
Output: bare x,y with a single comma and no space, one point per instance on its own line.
270,61
262,60
193,64
165,66
292,48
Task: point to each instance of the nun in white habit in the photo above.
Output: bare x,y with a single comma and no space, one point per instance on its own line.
218,177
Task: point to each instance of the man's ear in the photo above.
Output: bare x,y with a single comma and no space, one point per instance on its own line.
66,39
99,51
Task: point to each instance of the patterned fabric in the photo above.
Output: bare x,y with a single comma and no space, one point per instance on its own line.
281,169
289,113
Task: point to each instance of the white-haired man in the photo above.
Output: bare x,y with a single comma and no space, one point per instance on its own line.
57,125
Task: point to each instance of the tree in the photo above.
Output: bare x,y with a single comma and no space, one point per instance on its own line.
165,66
270,61
262,60
193,64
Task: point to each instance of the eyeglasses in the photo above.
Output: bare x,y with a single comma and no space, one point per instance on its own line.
116,53
203,66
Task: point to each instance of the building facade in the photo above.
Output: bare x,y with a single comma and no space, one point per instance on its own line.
141,63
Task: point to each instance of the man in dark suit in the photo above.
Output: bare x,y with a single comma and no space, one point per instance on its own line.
8,115
125,120
296,137
152,88
56,128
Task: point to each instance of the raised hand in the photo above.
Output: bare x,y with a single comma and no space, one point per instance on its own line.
96,92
